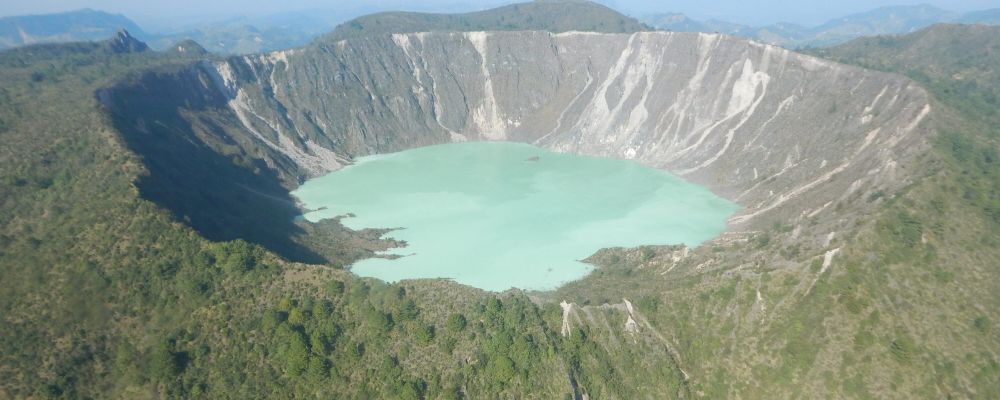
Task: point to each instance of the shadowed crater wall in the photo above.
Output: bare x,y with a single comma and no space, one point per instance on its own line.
783,134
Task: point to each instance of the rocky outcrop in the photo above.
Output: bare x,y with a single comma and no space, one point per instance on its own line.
188,46
124,42
783,134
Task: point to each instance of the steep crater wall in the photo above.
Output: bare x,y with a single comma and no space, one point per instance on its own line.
784,134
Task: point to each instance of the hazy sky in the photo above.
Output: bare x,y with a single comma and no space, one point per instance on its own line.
743,11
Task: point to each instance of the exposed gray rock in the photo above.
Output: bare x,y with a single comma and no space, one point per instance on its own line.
784,134
124,42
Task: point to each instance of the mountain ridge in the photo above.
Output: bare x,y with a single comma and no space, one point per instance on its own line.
549,15
84,24
878,21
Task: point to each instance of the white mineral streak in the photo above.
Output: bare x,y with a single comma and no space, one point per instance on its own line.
827,260
630,325
321,160
567,308
760,301
744,100
700,105
487,116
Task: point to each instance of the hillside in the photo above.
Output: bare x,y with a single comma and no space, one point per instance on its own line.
985,17
237,38
148,250
545,15
879,21
940,55
901,304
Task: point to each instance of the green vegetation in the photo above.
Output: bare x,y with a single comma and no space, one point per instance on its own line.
904,307
107,295
552,16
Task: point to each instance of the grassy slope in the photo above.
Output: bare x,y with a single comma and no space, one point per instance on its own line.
906,310
955,210
937,242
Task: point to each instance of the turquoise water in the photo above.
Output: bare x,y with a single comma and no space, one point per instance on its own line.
492,216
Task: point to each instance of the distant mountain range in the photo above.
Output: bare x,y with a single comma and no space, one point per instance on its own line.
233,36
880,21
243,35
82,25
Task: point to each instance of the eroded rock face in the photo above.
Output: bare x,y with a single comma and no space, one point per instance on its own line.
781,133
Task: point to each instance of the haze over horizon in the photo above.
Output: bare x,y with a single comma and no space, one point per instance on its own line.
760,12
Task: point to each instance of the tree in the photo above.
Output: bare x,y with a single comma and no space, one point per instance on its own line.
272,319
162,362
296,316
408,311
453,393
425,334
335,287
501,369
493,307
456,322
296,355
982,324
378,321
285,304
411,391
318,370
317,341
237,256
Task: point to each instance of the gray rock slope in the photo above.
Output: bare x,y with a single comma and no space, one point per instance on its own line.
785,135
